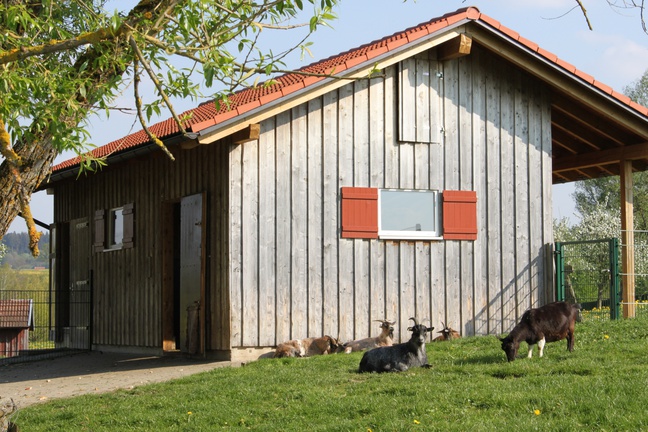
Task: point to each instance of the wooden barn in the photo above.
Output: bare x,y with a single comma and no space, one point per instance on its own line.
320,204
16,320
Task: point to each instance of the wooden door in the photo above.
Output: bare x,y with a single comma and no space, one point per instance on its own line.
77,333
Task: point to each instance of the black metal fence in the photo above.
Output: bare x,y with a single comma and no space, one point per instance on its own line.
44,330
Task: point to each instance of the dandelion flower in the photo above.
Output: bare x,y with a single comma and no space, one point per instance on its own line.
606,337
536,412
189,413
416,421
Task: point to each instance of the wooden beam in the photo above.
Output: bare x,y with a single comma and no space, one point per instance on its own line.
603,157
627,241
250,133
457,47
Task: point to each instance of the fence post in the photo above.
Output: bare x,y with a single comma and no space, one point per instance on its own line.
615,276
560,272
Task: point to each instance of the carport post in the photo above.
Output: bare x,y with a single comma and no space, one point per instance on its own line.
627,240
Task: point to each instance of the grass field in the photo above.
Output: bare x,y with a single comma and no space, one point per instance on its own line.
601,386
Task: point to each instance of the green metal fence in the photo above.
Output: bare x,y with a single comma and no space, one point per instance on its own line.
588,272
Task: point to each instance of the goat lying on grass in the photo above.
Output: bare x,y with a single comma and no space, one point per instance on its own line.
549,323
385,338
307,347
399,357
447,334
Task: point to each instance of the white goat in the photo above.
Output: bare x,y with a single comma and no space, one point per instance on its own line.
385,338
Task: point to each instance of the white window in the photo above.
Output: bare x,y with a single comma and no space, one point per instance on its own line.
409,214
115,228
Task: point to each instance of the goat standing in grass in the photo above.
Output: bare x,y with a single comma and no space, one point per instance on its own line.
549,323
385,338
399,357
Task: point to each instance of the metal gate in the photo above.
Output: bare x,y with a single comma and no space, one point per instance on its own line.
588,272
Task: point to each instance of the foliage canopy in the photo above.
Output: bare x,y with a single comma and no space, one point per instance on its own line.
63,60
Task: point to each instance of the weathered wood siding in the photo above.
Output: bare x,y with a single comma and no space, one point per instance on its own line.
291,273
277,267
127,283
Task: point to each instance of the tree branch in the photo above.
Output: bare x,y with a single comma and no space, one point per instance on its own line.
21,53
140,114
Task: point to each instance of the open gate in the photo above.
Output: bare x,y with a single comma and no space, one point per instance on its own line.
588,272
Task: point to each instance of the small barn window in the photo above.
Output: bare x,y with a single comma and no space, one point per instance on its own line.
114,228
409,214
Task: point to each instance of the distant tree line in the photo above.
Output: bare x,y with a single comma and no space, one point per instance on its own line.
17,254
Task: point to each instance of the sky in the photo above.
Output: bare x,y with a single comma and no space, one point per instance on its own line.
615,53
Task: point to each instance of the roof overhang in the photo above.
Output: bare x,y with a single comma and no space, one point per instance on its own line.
592,129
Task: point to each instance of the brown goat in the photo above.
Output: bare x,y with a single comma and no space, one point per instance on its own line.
549,323
385,338
307,347
447,334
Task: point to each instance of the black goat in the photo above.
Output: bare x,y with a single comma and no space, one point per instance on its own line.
549,323
399,357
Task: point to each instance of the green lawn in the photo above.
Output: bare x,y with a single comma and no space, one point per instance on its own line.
601,386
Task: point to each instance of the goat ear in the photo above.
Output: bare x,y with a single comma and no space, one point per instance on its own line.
430,329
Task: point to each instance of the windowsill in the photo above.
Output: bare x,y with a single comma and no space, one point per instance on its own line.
402,236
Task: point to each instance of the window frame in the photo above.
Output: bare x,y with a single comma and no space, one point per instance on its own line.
389,234
112,243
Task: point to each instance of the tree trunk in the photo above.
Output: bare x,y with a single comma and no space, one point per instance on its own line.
38,155
37,161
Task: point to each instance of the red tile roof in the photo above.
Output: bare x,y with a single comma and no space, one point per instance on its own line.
16,314
206,115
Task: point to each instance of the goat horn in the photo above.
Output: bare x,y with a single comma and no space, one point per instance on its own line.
415,321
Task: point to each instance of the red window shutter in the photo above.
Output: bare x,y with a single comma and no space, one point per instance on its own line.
359,212
459,215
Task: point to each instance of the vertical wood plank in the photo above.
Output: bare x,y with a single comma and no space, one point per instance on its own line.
479,161
536,198
314,218
299,227
380,95
267,235
507,173
283,200
346,276
451,181
235,251
250,245
467,144
331,215
492,196
361,175
522,195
